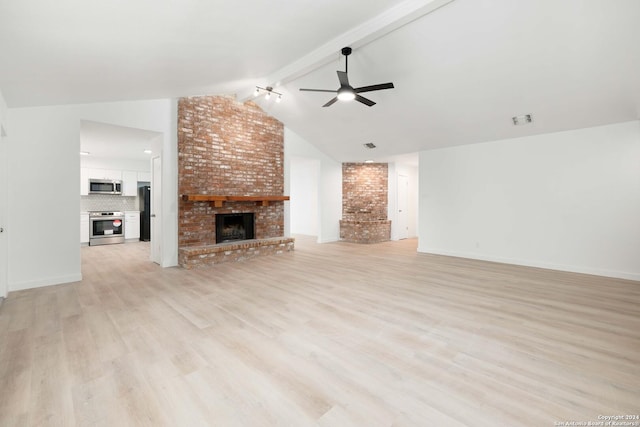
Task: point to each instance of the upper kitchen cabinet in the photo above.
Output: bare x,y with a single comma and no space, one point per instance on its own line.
105,174
129,183
129,179
144,176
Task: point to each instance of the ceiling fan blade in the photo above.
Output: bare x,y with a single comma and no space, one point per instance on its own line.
319,90
333,101
374,87
343,77
365,101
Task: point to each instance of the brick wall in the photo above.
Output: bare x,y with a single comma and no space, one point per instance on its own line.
364,191
364,203
228,148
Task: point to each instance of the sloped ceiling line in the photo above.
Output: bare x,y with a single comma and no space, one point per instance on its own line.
359,36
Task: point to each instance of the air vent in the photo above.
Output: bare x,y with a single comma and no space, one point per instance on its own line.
370,145
522,120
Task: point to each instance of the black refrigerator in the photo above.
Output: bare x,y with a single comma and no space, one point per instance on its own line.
144,194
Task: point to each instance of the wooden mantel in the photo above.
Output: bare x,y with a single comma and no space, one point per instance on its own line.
218,201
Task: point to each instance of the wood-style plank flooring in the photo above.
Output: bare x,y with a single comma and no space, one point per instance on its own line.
336,334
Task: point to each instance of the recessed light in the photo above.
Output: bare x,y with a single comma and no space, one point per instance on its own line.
84,153
147,151
368,161
370,145
522,120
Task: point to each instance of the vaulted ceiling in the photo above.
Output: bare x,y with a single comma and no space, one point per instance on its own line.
461,68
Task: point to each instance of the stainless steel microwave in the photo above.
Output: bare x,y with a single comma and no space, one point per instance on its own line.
105,186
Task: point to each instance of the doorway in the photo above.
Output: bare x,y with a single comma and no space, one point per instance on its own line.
119,153
403,207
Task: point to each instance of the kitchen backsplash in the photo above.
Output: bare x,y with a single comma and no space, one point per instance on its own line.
107,202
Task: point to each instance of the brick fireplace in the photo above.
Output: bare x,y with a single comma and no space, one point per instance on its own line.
230,161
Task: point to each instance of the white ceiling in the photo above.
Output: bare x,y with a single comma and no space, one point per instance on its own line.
461,72
116,143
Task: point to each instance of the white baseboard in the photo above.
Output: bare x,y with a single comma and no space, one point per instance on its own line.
538,264
329,240
49,281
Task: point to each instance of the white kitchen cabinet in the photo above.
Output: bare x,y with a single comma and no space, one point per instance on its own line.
131,225
129,183
84,228
84,181
144,176
105,174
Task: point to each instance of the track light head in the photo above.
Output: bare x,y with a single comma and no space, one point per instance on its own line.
269,91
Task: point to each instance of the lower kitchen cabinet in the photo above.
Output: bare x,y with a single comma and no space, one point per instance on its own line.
131,225
84,228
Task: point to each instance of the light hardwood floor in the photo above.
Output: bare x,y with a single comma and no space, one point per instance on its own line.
330,335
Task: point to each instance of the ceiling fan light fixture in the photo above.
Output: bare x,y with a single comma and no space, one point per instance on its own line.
346,94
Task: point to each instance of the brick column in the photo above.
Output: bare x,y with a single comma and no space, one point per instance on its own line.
364,203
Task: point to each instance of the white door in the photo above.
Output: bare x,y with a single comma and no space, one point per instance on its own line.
156,210
403,215
4,239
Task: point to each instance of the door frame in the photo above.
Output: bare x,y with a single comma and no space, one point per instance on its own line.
4,195
156,210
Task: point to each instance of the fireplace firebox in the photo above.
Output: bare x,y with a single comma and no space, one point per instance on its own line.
234,226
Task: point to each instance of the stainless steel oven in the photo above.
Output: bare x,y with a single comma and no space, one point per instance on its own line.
106,228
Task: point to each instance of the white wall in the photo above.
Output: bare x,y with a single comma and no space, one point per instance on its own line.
43,149
4,163
3,111
567,201
304,184
329,185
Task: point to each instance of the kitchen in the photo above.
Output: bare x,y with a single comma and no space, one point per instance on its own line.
115,184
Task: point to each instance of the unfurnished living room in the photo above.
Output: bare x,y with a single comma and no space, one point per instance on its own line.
364,213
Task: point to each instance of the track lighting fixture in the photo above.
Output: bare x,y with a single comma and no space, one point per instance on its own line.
268,92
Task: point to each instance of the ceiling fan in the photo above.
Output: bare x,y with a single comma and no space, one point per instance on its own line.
346,92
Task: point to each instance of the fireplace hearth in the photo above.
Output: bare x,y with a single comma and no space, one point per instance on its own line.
232,227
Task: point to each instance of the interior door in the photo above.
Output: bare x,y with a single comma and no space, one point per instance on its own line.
4,238
403,215
156,210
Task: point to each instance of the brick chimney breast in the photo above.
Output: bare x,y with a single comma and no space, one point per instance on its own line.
233,149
